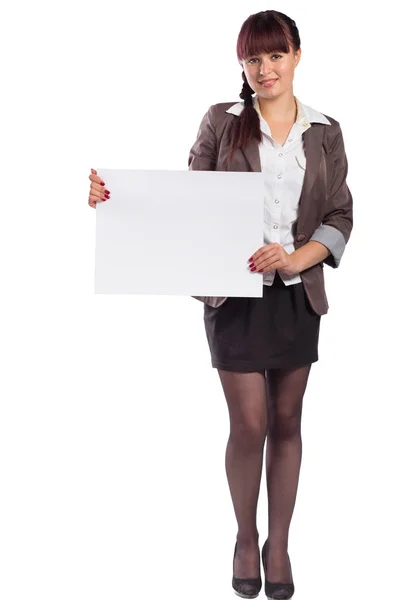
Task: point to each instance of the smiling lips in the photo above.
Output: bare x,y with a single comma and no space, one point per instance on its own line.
267,83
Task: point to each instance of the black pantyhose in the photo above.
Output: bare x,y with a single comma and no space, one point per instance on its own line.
264,405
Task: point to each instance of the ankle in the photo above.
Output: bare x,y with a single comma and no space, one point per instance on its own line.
278,544
247,539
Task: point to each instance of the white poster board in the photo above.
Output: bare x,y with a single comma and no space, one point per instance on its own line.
179,232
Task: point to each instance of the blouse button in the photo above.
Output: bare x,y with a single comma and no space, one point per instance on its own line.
279,176
280,154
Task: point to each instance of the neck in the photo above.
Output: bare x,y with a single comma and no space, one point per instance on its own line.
280,109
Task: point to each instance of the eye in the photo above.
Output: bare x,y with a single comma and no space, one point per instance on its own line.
255,58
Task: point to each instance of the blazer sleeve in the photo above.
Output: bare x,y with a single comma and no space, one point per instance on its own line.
203,153
335,229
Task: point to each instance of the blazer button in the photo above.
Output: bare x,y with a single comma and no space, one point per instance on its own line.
301,237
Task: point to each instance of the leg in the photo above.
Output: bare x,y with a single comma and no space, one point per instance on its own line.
286,388
246,399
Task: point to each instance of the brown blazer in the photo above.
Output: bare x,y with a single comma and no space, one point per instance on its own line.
325,197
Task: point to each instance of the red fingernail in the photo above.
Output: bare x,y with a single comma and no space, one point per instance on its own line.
102,183
253,269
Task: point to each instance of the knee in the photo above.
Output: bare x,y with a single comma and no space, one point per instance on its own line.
249,437
285,424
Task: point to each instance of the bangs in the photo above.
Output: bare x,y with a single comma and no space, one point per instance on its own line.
258,36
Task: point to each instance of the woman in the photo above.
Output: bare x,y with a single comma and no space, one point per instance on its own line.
263,348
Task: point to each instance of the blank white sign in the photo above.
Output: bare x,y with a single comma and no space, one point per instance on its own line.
179,232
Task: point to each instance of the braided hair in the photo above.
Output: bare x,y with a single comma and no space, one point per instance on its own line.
248,120
247,92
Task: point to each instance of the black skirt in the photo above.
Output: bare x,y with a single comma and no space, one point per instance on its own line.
279,330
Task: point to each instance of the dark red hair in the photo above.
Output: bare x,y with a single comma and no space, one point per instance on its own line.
266,31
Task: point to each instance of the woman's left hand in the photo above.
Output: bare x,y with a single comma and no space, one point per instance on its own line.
274,256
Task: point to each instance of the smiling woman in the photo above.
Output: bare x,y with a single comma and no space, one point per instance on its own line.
264,347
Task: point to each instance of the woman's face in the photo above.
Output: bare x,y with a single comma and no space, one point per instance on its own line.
278,66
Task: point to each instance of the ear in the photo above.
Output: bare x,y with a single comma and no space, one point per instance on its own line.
297,56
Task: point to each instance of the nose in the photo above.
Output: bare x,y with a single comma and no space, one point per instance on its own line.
266,67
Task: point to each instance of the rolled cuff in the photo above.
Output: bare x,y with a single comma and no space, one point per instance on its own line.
334,240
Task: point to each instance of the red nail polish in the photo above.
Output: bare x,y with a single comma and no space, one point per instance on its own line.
102,183
251,265
253,269
251,258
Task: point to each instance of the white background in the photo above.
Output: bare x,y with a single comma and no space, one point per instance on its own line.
113,423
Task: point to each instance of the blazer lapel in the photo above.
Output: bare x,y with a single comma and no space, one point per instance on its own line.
313,137
252,155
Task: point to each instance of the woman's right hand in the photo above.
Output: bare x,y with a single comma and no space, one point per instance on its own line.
97,192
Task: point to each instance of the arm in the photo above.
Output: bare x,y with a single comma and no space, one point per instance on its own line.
335,229
203,154
309,255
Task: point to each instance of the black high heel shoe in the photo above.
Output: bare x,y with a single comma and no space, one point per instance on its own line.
275,591
246,588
